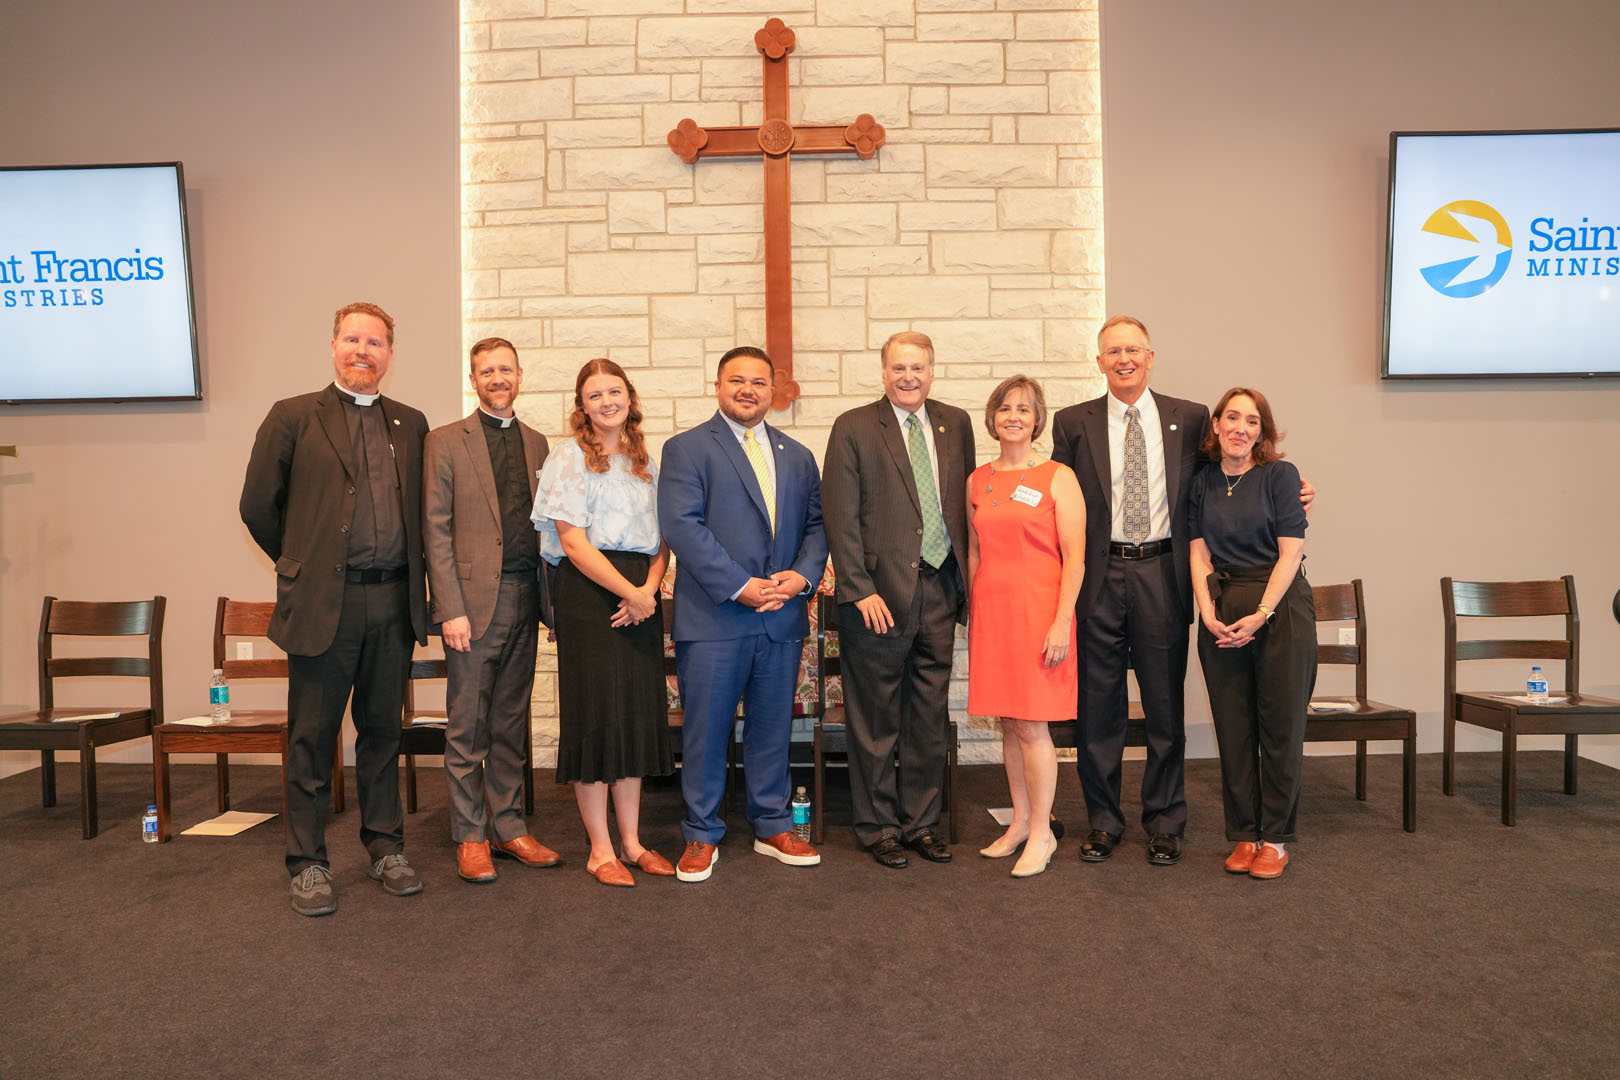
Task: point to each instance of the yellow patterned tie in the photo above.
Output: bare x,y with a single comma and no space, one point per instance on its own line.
762,472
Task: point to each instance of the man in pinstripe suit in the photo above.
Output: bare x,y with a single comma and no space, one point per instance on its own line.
894,486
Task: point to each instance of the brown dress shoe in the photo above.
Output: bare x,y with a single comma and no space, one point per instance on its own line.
789,848
613,872
1268,863
473,863
650,862
697,861
528,851
1242,857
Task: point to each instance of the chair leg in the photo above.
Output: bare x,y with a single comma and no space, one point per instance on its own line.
1361,769
1510,774
47,778
1409,782
160,784
410,783
87,783
817,774
1571,757
1448,772
222,780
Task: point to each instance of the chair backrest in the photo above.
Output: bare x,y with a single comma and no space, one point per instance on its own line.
1511,599
424,667
829,663
244,619
1343,603
81,618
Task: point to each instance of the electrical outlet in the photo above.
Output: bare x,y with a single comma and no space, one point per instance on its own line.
1347,635
244,650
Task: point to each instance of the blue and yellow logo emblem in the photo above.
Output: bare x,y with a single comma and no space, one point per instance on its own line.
1471,222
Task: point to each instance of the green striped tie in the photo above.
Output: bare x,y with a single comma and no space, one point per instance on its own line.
934,548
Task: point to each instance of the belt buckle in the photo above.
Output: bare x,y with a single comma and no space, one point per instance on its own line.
1132,551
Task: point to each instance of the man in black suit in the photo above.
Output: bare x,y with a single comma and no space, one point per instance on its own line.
1135,453
333,495
894,488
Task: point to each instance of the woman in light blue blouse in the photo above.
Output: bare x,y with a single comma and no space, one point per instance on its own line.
597,513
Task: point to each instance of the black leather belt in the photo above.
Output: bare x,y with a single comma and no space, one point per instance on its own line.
1151,550
924,568
374,577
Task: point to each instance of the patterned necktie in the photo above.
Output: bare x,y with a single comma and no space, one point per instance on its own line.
934,549
1136,478
762,472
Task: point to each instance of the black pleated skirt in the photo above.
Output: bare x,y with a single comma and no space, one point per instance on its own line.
610,681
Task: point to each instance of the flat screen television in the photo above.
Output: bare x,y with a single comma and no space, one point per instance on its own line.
95,285
1504,254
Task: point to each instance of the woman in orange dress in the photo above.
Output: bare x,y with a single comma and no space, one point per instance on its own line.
1026,556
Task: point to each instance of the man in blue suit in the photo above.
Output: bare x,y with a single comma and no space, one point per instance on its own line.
739,504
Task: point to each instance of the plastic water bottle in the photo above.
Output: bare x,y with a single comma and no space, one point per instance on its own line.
1535,687
801,814
219,697
149,825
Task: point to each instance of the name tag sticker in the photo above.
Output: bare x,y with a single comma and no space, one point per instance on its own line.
1027,495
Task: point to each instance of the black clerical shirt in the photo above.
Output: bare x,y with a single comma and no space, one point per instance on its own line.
520,545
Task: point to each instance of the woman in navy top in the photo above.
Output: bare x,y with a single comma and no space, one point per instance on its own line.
1257,638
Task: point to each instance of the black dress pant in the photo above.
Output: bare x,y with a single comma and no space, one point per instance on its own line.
1258,697
897,705
371,655
1134,624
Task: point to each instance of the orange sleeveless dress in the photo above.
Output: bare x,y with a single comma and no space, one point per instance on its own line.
1015,596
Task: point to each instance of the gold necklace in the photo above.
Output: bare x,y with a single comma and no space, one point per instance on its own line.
991,485
1231,485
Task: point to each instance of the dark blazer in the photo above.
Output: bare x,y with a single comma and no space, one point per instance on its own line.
1080,441
461,518
874,515
712,514
298,500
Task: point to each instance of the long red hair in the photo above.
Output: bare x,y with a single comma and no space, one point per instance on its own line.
631,438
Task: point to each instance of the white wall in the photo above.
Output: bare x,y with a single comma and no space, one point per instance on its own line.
1245,150
319,143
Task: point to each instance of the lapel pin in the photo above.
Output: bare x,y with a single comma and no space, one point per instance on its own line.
942,429
1172,427
396,421
779,446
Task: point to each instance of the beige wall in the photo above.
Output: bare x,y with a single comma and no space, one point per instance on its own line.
1246,151
319,142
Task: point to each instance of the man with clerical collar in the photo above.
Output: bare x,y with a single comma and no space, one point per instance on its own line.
483,563
333,495
895,493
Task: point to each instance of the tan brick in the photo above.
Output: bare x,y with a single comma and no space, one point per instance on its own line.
520,195
598,333
826,328
943,62
1075,91
477,284
998,341
588,236
605,89
499,66
635,211
1058,26
564,8
838,41
998,99
1049,208
537,33
609,131
784,8
1042,304
595,60
844,223
474,37
633,272
658,120
692,316
1068,130
1077,251
524,333
731,278
695,36
1001,252
1008,166
485,10
514,245
929,100
613,31
643,167
582,306
549,281
510,159
692,220
1051,56
952,216
874,186
842,104
538,99
960,27
928,297
732,248
864,13
841,71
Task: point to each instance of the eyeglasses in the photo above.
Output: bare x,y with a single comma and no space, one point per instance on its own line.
1132,351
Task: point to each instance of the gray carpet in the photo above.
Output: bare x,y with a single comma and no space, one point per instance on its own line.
1466,950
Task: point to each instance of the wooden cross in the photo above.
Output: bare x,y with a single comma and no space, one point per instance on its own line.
777,140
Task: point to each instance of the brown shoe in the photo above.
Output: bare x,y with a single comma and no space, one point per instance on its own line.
473,863
697,861
650,862
1242,857
1268,863
789,848
613,872
528,851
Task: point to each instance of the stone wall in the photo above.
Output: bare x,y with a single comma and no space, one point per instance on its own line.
979,222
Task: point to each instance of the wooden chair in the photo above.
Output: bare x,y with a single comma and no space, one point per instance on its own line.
830,738
1575,716
1369,719
248,731
423,732
49,729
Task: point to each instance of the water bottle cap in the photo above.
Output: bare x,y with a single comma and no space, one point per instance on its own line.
1535,667
153,808
801,790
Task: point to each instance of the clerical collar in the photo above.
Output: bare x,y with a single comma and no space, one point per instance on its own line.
358,399
491,420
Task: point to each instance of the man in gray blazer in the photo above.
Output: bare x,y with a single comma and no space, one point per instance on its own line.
483,563
894,488
333,495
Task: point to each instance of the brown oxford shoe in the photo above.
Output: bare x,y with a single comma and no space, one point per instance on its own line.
1242,857
528,851
473,863
1268,863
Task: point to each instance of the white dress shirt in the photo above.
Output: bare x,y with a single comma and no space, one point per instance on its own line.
1158,497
